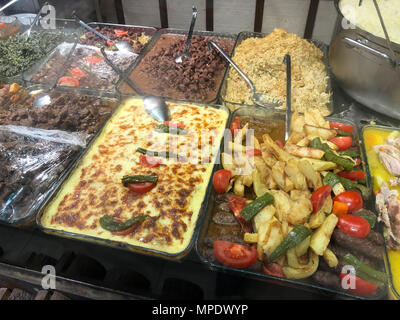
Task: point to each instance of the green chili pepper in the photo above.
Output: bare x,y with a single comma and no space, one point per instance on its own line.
366,269
139,178
164,154
109,223
251,209
164,128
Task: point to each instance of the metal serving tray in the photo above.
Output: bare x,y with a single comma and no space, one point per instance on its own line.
120,245
268,114
111,91
395,293
171,31
66,25
247,34
29,219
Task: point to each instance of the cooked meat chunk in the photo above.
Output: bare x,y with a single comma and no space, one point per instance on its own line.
388,206
390,158
362,246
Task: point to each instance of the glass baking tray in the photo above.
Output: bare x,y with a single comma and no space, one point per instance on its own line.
268,114
66,25
395,293
247,34
110,91
114,244
29,218
153,42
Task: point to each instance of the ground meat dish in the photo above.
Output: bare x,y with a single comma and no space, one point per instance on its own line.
197,78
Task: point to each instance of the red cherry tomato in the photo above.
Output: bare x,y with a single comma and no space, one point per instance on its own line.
235,255
141,187
78,73
68,81
93,59
221,180
341,126
236,204
358,162
120,33
352,175
253,152
343,143
235,125
352,198
273,269
110,43
362,287
2,24
354,226
319,196
149,162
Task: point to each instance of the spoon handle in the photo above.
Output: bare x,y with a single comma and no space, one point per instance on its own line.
190,34
250,83
35,20
89,28
288,62
130,82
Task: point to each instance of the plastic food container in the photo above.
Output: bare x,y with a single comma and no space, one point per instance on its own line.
377,174
126,91
208,232
245,35
45,157
64,188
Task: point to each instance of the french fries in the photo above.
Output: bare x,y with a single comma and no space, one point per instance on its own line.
303,152
313,177
321,238
323,133
294,174
330,258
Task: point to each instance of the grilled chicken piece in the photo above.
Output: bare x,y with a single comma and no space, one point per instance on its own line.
393,141
390,158
388,206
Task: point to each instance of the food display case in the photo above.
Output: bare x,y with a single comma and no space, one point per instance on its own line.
87,185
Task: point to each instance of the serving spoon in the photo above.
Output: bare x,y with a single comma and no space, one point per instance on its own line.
120,45
260,99
186,53
154,105
288,61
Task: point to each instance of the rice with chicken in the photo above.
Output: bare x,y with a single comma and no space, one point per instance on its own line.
261,59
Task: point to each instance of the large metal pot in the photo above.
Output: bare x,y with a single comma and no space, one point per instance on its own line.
363,66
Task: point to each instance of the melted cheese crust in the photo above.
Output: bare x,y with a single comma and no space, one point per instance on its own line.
95,189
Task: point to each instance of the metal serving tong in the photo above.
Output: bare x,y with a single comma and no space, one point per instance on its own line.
186,53
260,99
155,106
27,32
288,61
394,58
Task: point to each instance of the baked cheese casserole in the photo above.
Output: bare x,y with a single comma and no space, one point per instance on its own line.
170,209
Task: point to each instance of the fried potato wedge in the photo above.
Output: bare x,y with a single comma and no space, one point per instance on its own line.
263,217
279,153
315,118
304,152
323,133
330,258
320,165
313,177
322,236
